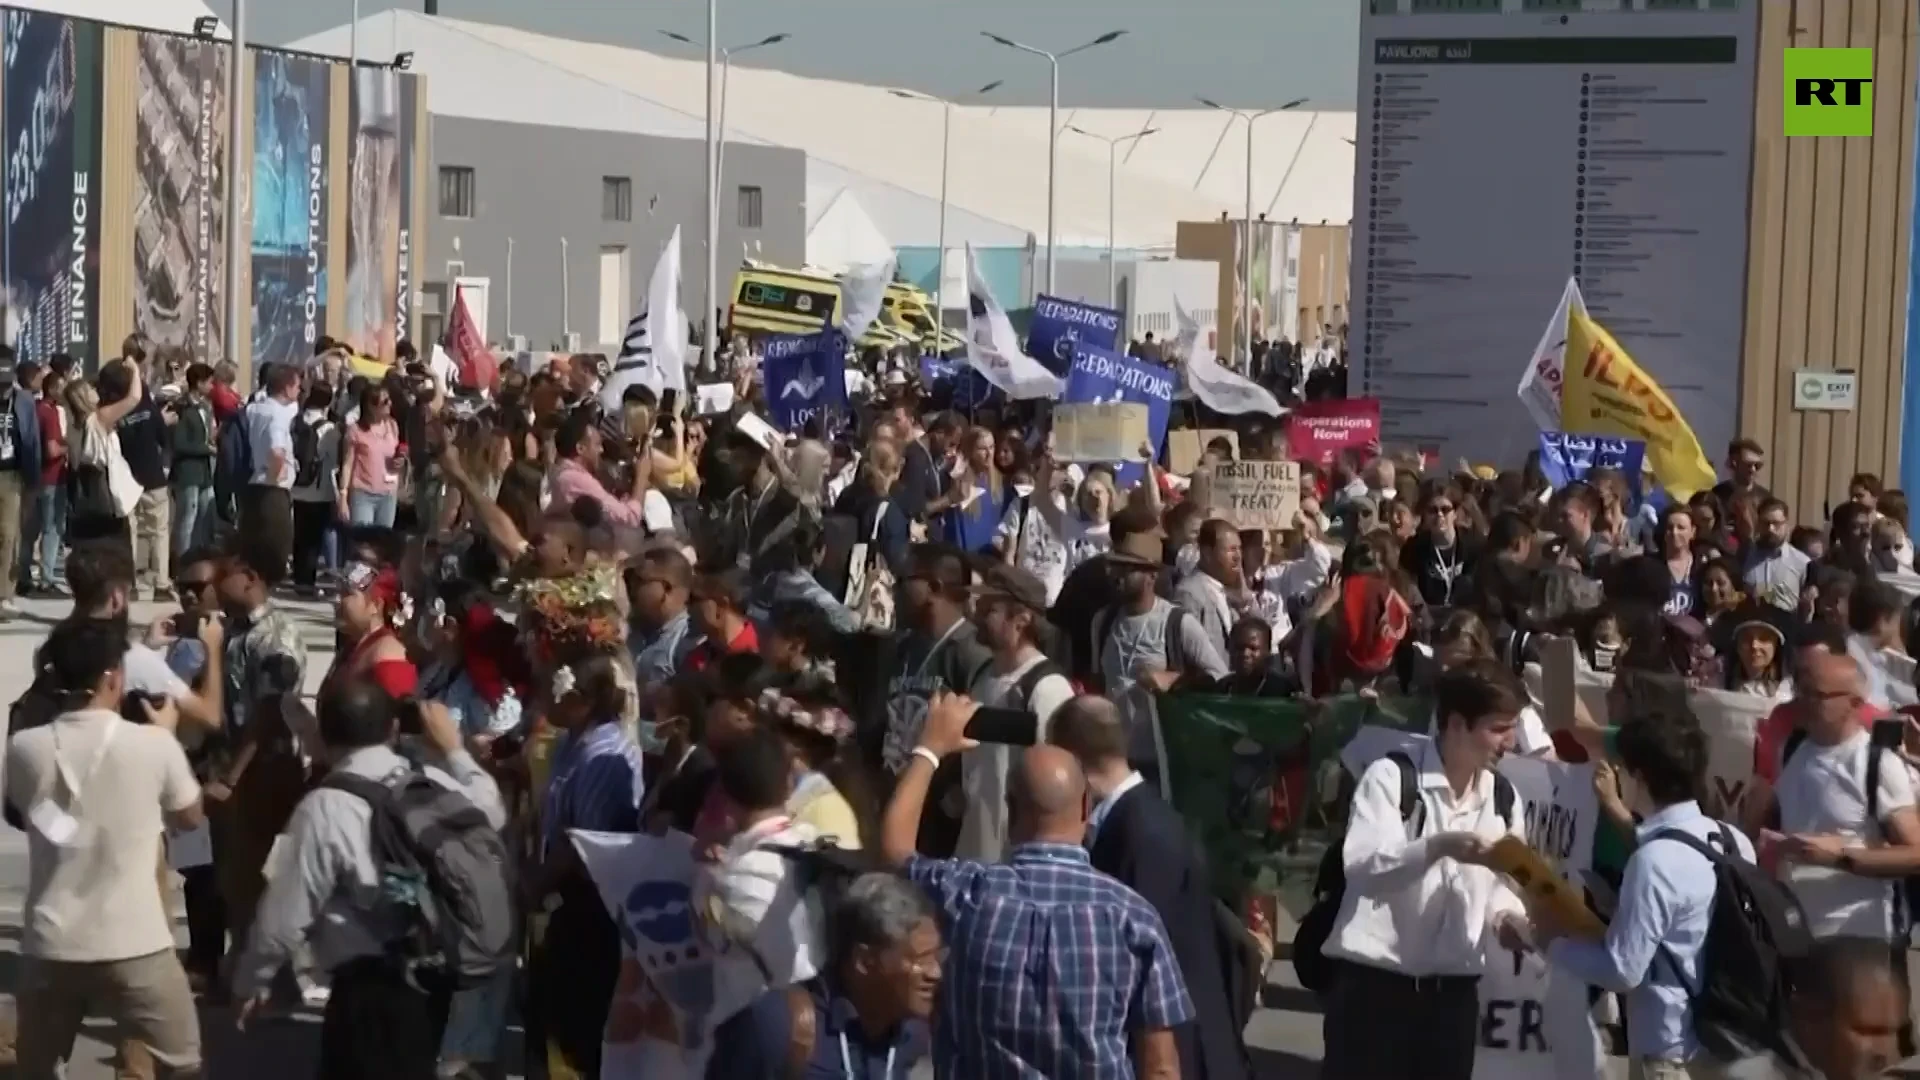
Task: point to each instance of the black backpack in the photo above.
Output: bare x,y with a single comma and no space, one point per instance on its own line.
1310,963
306,453
1755,934
446,871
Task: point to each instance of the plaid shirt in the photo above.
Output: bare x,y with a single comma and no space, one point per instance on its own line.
1053,967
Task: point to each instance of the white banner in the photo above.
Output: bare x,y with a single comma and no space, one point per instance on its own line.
678,979
1546,368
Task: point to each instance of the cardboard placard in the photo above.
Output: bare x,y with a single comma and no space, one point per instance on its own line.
1109,431
1255,494
1185,446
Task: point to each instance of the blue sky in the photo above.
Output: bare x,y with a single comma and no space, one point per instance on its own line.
1242,52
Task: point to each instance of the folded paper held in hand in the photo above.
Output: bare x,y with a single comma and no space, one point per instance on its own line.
1110,431
1543,889
1255,494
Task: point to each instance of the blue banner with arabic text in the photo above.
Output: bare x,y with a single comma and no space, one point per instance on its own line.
1058,324
1566,458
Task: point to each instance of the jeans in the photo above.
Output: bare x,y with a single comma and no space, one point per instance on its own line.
192,518
370,508
313,533
52,529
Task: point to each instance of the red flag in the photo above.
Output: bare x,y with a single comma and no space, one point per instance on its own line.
473,363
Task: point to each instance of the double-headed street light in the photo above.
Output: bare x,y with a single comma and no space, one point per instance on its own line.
716,141
1053,117
946,146
1113,162
1246,254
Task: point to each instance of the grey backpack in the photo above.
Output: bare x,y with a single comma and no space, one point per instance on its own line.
444,870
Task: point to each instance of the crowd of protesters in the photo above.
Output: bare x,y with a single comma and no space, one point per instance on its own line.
912,634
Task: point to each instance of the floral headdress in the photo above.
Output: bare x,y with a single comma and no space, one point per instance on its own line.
382,585
565,617
825,720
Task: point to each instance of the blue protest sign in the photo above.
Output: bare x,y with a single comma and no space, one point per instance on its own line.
1058,323
1566,458
806,376
1100,375
935,369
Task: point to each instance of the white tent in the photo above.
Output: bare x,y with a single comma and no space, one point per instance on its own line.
844,234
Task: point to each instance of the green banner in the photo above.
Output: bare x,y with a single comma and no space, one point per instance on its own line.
1260,783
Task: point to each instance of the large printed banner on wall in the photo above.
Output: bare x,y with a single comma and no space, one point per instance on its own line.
51,244
291,105
179,209
409,86
377,218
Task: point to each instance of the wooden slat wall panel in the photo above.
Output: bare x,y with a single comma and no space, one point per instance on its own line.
1766,210
1883,285
1822,279
1796,254
1898,33
339,197
119,107
1849,285
1827,256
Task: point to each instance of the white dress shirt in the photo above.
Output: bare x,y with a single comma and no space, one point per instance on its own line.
1406,909
1822,790
1666,899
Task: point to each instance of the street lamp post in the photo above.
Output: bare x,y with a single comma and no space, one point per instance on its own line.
236,281
1113,163
1053,117
1246,243
946,148
716,153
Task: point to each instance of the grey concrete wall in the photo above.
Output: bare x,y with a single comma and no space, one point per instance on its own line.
539,184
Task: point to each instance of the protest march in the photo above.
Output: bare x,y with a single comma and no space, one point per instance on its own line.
920,659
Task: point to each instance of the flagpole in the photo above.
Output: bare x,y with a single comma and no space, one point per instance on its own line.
710,337
236,281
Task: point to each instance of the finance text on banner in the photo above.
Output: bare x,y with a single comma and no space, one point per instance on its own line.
1319,431
805,376
1101,375
1058,324
1255,494
1607,393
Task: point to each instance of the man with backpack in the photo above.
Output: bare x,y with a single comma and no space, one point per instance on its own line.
1699,939
1021,686
1415,900
396,874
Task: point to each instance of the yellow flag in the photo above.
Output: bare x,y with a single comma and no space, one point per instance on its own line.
1606,393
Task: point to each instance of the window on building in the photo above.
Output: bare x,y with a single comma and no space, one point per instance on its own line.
456,191
749,207
616,198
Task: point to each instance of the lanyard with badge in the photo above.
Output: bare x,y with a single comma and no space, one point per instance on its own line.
56,824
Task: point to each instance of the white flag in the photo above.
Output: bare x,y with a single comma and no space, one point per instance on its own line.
1546,368
862,288
654,353
1218,387
993,349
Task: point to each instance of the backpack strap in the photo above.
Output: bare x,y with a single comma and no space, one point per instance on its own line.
1175,643
804,1034
1713,858
373,791
1031,678
1503,798
1412,806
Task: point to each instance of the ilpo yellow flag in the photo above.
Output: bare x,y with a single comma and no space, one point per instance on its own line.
1606,393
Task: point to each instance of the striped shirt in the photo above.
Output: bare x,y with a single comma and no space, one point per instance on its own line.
1054,966
597,784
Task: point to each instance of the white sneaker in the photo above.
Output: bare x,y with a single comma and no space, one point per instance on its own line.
9,609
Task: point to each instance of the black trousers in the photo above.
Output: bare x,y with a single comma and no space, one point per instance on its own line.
206,921
1433,1026
379,1028
266,526
310,521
